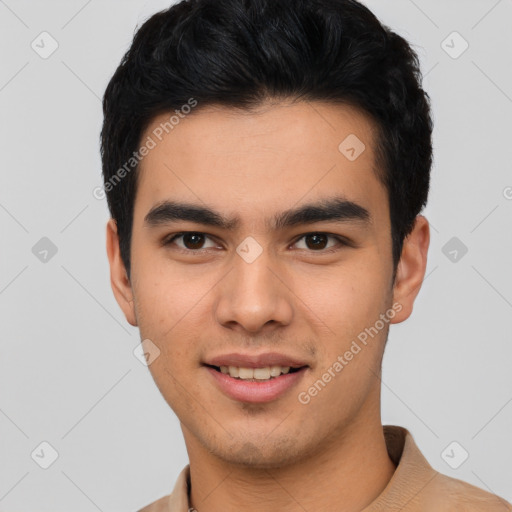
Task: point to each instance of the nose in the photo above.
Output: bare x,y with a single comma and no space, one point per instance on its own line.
253,297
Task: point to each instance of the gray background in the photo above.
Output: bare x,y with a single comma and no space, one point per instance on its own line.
68,375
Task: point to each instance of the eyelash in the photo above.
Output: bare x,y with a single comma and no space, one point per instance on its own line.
342,242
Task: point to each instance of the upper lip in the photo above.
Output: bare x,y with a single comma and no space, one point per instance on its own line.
255,361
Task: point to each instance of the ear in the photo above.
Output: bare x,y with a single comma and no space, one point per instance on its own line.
411,269
119,281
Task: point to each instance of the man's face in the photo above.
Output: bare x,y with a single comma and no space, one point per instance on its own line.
306,297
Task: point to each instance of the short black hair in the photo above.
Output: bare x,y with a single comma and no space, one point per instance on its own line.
240,53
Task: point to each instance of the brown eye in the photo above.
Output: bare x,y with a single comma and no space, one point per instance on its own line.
317,242
191,241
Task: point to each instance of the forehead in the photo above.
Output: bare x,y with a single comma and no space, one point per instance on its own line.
299,128
255,163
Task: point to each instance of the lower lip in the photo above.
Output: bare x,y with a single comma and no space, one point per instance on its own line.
256,392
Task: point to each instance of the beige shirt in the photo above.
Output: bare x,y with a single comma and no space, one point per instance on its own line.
414,487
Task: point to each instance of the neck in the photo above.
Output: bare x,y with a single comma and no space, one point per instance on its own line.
347,472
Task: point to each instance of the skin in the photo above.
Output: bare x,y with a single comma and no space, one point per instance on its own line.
293,299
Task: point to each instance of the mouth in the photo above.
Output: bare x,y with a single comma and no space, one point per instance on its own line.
260,387
256,374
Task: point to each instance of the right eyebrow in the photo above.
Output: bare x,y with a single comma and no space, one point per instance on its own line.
172,211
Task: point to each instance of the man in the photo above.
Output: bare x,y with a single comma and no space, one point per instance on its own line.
265,163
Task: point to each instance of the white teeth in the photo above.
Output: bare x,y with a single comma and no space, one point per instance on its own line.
275,371
262,373
245,373
254,373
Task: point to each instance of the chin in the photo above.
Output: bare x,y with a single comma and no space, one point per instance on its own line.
267,455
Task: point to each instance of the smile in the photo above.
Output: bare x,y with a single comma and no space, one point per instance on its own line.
255,385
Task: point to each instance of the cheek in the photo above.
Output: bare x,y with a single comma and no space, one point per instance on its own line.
164,293
345,298
173,310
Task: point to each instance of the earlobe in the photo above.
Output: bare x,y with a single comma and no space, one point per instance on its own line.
119,281
411,268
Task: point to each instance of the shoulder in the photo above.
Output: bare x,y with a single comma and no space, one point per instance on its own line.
445,493
160,505
417,486
177,501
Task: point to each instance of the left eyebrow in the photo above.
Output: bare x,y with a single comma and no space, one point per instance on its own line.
337,209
